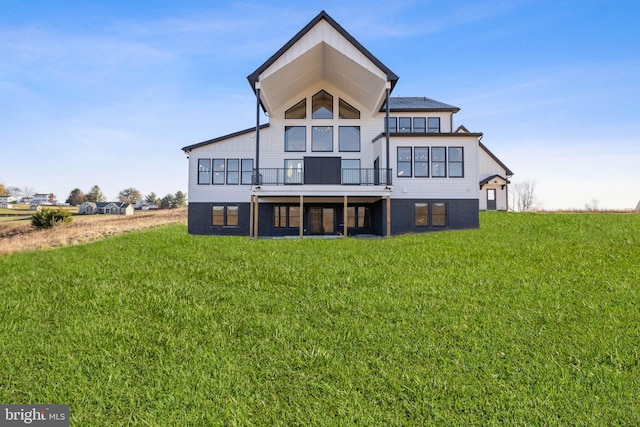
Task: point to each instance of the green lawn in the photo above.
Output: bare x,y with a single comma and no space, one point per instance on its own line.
534,319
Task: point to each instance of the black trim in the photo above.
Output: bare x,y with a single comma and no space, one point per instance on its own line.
222,138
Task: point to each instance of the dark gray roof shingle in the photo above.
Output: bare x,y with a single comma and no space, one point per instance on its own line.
418,103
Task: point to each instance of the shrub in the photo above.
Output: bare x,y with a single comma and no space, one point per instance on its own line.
47,218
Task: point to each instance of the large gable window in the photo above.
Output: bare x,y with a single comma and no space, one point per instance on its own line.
322,106
295,138
322,138
349,138
298,111
348,111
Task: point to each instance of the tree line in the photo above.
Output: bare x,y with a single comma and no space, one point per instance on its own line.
95,194
128,195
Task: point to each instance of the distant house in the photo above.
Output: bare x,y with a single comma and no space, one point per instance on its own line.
5,205
112,208
8,199
494,182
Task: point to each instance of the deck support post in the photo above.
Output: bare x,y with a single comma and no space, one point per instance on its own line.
251,216
301,215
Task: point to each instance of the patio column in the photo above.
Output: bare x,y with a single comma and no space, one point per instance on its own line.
256,209
251,216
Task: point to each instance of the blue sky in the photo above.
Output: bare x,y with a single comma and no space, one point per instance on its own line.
107,92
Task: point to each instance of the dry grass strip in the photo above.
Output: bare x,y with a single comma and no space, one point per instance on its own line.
22,236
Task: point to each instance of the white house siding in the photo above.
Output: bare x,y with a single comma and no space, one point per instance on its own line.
239,147
437,188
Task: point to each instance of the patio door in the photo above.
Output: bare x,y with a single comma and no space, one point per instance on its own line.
491,199
321,220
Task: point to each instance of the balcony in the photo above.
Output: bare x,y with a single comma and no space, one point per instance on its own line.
282,176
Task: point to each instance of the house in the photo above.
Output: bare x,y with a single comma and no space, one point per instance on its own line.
494,182
113,208
6,205
340,155
8,199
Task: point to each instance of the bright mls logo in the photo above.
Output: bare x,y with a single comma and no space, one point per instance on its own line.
35,415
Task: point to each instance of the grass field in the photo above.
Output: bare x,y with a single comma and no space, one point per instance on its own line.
531,320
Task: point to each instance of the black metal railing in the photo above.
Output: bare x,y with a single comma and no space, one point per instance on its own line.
282,176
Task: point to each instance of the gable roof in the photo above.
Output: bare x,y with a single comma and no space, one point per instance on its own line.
254,77
488,179
507,171
222,138
417,103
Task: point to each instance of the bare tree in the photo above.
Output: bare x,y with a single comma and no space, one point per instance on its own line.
14,191
524,196
28,191
592,206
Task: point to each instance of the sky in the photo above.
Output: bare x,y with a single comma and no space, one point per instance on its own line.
108,92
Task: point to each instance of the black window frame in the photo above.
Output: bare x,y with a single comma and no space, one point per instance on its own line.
404,129
404,162
226,218
218,172
300,174
432,128
296,109
314,142
361,217
246,174
445,215
286,139
345,106
421,219
435,163
316,113
394,128
420,128
206,171
340,141
455,162
417,162
282,216
233,175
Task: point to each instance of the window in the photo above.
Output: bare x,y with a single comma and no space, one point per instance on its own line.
439,214
434,125
293,171
358,217
217,215
421,161
392,124
405,125
247,172
404,162
294,216
421,214
286,216
204,171
298,111
347,111
218,171
233,171
322,106
419,124
350,171
224,215
349,138
295,138
456,162
322,138
438,162
232,215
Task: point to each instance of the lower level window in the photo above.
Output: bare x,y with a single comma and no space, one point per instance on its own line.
430,214
224,215
286,216
358,217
